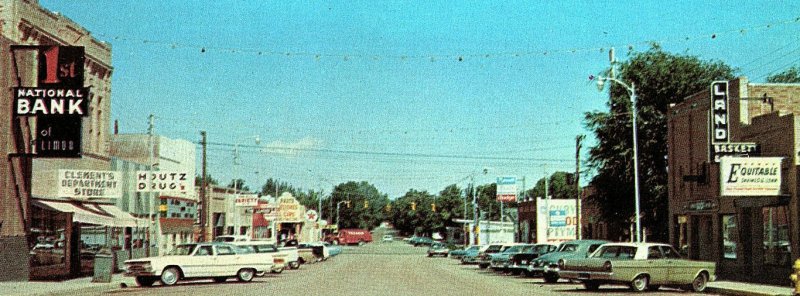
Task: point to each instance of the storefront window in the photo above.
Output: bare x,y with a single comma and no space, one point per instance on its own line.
776,235
47,232
730,237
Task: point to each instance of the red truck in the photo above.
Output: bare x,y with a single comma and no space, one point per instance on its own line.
349,236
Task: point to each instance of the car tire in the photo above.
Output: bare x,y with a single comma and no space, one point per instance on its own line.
699,283
550,278
445,255
360,243
640,283
220,279
277,271
430,255
516,271
170,276
483,266
591,285
145,281
245,274
294,265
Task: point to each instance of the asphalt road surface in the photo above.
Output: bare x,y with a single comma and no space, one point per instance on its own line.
391,268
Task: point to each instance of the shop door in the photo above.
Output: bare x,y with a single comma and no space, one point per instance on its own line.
702,243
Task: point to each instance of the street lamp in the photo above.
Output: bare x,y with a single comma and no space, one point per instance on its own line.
237,226
632,93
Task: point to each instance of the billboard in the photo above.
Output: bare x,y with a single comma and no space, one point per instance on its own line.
556,220
506,189
750,176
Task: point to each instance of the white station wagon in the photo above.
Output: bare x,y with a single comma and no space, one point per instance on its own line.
217,261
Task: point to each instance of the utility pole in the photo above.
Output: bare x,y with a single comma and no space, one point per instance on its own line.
203,194
576,179
153,215
546,204
476,228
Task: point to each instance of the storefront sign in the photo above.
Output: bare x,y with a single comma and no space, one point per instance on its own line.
311,215
750,176
556,220
270,212
719,112
289,208
59,101
85,184
246,200
734,149
701,206
164,181
506,189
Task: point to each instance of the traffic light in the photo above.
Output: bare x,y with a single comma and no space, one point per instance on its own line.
388,207
348,204
366,204
413,206
433,207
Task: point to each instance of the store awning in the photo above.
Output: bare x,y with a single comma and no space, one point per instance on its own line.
80,213
124,219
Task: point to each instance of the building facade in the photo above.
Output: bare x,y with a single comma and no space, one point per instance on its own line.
711,136
26,180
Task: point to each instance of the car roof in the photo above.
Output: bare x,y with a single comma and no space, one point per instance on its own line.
629,244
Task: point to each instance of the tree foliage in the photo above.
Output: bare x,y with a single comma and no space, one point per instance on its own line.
559,185
660,79
791,75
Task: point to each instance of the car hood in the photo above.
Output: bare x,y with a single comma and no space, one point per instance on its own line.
157,259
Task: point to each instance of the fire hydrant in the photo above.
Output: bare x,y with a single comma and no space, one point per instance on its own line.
795,277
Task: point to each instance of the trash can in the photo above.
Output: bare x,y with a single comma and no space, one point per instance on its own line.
103,265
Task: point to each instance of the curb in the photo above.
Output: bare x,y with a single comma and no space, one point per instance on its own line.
734,292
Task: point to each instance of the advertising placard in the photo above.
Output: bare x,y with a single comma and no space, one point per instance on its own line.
506,189
246,200
750,176
85,184
164,181
555,220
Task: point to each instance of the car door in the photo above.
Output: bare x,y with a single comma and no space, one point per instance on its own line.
657,266
677,271
227,263
198,264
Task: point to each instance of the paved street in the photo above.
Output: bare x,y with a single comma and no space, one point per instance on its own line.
385,269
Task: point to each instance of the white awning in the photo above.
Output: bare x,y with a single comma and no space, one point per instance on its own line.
124,219
78,214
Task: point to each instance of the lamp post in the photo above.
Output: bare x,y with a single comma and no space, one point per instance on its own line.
632,93
237,225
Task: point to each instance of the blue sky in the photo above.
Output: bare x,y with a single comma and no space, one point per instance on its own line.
402,94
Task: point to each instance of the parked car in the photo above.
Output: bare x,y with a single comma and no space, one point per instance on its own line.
333,249
388,238
278,263
471,255
460,252
547,265
349,237
438,249
231,238
318,250
421,241
218,261
501,261
519,262
485,257
642,266
283,257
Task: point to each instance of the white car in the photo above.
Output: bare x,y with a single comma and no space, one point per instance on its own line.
218,261
388,238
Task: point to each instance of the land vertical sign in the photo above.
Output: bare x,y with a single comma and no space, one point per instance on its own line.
506,189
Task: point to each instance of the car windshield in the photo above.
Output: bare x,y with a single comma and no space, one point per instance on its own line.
182,250
568,248
513,249
616,252
541,248
265,248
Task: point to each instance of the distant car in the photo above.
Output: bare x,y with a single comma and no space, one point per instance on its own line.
485,257
388,238
642,266
500,262
547,265
438,249
333,250
472,253
519,262
460,252
421,241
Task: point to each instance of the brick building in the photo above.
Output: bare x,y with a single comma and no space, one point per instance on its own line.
744,233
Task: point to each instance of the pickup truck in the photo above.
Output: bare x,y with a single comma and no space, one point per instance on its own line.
218,261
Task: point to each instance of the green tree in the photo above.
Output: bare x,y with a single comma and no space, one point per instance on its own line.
210,180
791,75
661,79
559,185
366,205
238,184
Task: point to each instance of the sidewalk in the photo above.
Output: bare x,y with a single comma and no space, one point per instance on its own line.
80,286
747,289
84,286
